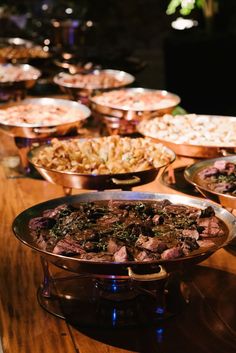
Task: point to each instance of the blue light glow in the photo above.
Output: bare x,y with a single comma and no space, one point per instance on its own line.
114,317
160,310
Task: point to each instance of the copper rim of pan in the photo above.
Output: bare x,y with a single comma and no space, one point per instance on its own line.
127,79
191,172
112,269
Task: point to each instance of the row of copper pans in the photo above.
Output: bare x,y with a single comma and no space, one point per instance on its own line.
114,117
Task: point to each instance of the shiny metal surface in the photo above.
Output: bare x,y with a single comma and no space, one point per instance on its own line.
112,269
82,94
191,172
195,151
17,90
99,181
24,84
121,120
39,131
191,150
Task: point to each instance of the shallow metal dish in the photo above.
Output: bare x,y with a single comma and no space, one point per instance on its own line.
98,181
39,131
191,172
81,93
191,150
21,230
122,120
19,50
15,90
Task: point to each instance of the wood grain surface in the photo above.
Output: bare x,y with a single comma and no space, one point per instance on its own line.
207,325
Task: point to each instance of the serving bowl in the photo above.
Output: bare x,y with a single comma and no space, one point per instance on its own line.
99,180
15,80
120,269
122,110
77,115
191,174
80,86
18,50
193,135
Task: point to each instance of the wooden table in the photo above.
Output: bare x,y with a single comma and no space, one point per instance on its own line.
206,324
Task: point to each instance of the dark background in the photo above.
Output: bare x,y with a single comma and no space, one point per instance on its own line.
197,65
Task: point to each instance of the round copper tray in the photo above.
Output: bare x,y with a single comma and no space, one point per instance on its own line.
191,173
15,90
20,50
78,92
191,150
124,120
38,131
98,181
114,269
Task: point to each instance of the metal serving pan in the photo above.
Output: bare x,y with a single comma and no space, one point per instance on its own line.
124,120
192,150
15,90
114,269
191,172
79,92
24,83
98,181
44,131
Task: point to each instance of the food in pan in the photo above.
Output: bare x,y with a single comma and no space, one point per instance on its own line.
120,231
14,73
192,129
134,99
11,52
96,79
38,114
220,177
105,155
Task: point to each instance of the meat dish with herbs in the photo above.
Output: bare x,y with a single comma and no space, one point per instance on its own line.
120,231
220,177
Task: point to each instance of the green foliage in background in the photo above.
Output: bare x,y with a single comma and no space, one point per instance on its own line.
184,6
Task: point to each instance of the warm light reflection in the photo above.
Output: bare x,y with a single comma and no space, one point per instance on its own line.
183,23
69,11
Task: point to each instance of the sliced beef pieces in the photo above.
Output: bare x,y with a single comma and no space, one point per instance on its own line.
190,233
146,256
68,245
211,227
151,244
208,172
121,255
205,243
172,253
52,213
41,223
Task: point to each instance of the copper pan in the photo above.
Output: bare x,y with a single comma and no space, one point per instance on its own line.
81,93
191,175
27,83
98,181
37,131
125,269
126,119
192,150
195,151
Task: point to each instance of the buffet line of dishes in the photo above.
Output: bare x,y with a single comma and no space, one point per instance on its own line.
131,228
